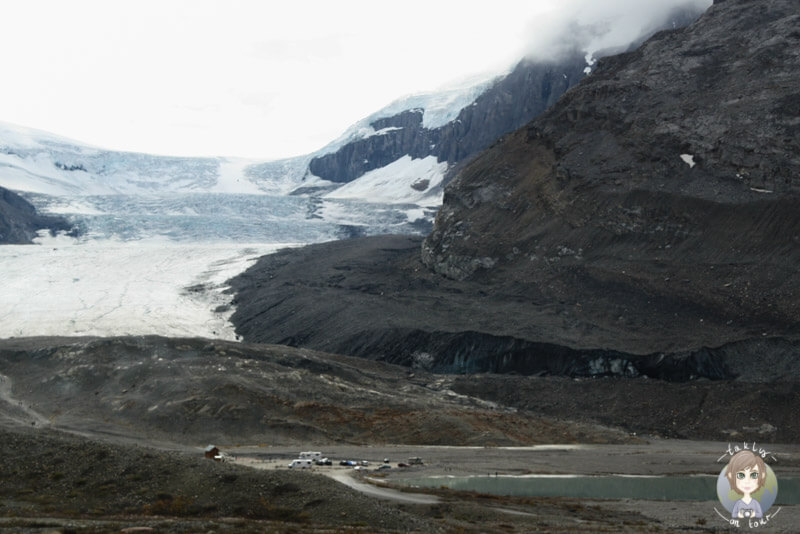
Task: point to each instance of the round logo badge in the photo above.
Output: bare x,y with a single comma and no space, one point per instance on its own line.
747,487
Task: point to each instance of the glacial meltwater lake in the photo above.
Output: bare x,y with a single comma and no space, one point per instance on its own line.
669,488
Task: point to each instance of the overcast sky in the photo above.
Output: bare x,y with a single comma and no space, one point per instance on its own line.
265,78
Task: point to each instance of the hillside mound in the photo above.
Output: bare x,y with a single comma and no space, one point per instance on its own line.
198,391
167,393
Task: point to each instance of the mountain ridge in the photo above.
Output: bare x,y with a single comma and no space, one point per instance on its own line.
505,105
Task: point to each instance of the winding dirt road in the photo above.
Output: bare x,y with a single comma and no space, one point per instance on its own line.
345,476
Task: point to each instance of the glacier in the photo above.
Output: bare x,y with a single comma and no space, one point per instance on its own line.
67,287
158,263
159,236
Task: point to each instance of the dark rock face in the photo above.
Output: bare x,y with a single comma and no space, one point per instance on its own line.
665,186
509,104
19,221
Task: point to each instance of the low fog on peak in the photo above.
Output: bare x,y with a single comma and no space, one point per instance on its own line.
592,26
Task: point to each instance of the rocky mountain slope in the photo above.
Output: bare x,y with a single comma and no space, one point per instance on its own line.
508,103
651,212
665,184
374,299
19,221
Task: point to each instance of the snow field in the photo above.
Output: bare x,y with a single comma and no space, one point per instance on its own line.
395,183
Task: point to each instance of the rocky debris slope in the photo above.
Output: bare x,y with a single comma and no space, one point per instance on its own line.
160,392
656,203
372,298
724,410
19,221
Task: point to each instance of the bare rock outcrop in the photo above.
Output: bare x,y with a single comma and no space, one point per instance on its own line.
19,221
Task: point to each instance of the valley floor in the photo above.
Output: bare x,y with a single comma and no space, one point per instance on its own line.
652,457
108,488
100,434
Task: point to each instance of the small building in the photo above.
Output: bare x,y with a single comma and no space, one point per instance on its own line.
212,453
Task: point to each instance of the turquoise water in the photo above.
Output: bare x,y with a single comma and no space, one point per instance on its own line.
685,488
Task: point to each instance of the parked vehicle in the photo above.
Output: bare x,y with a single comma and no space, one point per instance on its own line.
310,455
300,463
323,461
384,466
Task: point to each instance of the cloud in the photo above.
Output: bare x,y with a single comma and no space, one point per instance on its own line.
592,26
263,76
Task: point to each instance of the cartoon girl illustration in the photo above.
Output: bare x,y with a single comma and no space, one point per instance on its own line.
746,473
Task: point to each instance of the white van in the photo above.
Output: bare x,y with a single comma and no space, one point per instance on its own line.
300,463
